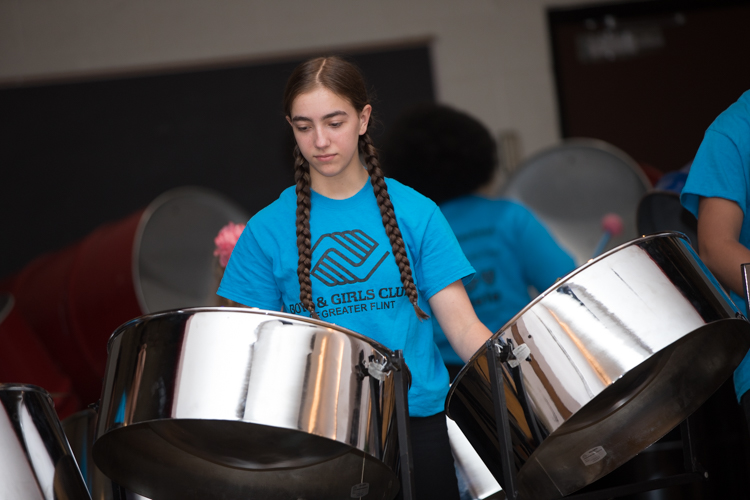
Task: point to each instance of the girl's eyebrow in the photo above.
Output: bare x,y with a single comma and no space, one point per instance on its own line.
329,115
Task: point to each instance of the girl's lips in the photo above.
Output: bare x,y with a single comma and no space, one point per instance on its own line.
324,157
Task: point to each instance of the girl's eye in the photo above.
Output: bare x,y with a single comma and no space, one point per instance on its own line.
302,129
335,124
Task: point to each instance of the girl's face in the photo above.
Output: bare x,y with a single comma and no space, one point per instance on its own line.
327,129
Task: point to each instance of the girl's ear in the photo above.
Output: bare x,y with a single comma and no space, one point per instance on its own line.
364,118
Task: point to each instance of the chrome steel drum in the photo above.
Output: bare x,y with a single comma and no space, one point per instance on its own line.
158,258
570,187
474,479
240,403
622,350
36,462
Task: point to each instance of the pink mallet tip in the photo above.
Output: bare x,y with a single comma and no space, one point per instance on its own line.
612,223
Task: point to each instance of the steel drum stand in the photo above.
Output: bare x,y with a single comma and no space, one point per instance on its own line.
406,467
499,352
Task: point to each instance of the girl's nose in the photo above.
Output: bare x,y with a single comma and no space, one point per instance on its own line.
321,140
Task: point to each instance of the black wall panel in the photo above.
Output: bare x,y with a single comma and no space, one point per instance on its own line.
76,155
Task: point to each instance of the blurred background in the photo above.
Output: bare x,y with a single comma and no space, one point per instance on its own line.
105,105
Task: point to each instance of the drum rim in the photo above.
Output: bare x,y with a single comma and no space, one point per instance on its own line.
385,351
147,213
590,144
23,387
481,351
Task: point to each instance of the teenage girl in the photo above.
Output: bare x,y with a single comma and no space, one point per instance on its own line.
375,257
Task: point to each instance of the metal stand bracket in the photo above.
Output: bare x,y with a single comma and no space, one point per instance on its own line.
498,352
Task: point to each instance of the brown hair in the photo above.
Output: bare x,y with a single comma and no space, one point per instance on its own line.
343,79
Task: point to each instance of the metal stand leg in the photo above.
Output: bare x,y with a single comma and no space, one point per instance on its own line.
497,352
375,395
404,428
688,448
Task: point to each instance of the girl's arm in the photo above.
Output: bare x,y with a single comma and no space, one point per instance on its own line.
719,226
453,310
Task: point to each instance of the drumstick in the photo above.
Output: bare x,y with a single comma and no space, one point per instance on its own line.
612,226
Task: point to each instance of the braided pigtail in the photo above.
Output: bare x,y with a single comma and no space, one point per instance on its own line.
304,245
389,220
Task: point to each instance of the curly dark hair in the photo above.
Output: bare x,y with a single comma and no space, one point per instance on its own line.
441,152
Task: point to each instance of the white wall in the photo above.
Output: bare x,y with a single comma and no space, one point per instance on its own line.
491,57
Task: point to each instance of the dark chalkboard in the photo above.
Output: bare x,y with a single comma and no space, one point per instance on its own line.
79,154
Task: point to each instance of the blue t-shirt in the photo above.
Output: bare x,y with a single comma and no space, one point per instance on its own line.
355,279
721,169
510,250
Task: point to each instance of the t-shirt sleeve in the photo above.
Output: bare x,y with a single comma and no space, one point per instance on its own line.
542,259
248,278
442,261
718,171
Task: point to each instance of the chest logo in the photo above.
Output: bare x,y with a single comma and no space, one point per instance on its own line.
348,257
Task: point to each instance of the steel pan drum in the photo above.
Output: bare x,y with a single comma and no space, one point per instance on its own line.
573,185
156,259
36,462
240,403
622,350
474,479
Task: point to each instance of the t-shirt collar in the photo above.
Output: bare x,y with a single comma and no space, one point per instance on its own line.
317,200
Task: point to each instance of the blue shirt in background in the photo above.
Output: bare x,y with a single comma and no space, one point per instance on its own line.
511,252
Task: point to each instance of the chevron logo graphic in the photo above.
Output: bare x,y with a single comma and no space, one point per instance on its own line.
348,258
